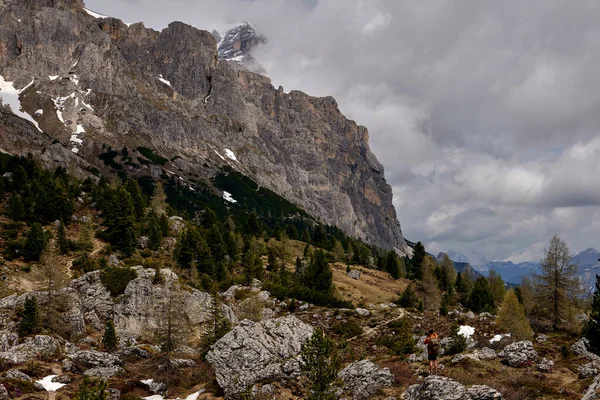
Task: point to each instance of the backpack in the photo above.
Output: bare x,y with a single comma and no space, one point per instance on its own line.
434,344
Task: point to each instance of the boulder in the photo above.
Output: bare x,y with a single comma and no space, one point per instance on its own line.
485,354
541,338
154,386
104,372
363,312
364,378
258,351
64,379
88,359
33,348
354,274
3,393
545,365
519,353
582,349
589,370
457,358
441,388
16,374
593,392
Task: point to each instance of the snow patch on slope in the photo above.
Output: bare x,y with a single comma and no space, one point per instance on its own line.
9,95
49,385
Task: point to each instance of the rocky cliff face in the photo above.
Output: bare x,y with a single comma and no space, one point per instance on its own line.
96,83
237,44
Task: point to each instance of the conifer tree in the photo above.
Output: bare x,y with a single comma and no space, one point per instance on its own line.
155,234
482,298
158,202
110,340
391,265
16,209
35,243
417,261
592,327
137,198
557,284
186,249
31,322
408,298
321,365
209,218
497,286
254,226
318,275
85,242
511,318
61,239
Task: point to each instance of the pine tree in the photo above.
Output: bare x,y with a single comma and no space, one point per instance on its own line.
137,198
408,299
318,275
320,367
557,284
16,209
391,265
31,321
482,298
444,304
92,390
254,225
592,327
417,260
35,243
186,249
155,235
209,219
110,340
511,318
61,239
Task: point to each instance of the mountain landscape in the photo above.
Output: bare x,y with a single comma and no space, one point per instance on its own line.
172,226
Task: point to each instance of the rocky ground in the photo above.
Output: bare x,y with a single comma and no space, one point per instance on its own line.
260,358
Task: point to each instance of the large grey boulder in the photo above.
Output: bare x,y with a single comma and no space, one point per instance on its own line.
258,351
593,392
32,348
485,354
440,388
16,374
364,378
354,274
589,370
519,353
582,349
88,359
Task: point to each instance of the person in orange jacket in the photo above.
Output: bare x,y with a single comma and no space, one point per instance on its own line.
433,345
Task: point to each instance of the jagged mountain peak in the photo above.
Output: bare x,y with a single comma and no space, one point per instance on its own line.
237,44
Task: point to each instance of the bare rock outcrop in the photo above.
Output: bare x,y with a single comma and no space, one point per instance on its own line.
582,349
258,351
441,388
364,378
519,353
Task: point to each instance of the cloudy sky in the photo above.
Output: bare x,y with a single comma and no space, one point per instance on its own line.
484,113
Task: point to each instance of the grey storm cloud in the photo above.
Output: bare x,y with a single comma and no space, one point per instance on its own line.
485,113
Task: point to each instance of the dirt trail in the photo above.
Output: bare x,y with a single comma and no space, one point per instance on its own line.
373,330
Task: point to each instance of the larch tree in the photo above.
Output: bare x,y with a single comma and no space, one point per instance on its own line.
557,284
497,286
511,318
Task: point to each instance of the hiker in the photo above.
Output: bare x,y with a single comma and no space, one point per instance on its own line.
433,345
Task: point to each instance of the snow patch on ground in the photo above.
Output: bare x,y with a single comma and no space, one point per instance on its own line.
53,77
163,80
39,112
498,338
230,154
9,95
466,330
228,197
75,79
49,385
